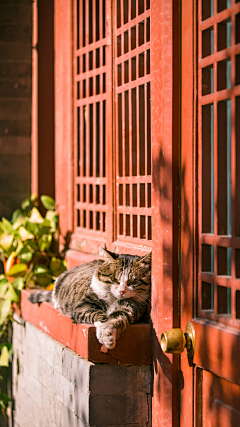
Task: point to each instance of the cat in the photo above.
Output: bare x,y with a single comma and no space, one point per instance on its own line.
112,294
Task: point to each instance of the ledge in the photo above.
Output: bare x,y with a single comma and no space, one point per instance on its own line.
133,348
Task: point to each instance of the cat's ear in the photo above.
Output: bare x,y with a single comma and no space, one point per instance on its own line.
109,256
146,259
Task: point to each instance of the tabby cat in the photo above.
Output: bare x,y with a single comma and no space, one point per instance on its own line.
112,294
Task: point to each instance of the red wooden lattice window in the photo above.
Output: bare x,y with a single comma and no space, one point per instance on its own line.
219,154
112,123
92,104
133,121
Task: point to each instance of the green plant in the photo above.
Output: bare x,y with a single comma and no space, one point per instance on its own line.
29,248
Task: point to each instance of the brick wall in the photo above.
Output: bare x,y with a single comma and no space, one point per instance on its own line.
15,102
54,387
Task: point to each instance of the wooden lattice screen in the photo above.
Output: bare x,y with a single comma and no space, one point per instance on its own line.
219,160
112,123
133,121
92,105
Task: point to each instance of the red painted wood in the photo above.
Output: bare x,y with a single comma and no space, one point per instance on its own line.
165,264
133,347
207,398
186,402
63,114
42,172
217,350
220,406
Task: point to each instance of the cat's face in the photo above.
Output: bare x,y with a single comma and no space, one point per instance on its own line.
126,275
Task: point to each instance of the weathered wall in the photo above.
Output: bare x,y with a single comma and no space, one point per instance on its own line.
15,102
54,387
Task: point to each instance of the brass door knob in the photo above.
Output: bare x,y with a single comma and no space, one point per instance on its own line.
174,340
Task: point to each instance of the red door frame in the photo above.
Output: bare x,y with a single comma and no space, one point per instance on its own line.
165,159
188,199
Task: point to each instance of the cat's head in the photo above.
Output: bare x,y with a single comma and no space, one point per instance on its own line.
126,275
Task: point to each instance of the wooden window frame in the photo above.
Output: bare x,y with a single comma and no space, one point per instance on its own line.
165,139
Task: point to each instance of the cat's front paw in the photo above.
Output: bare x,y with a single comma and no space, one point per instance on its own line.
106,334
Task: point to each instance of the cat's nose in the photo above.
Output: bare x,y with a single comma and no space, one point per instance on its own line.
122,292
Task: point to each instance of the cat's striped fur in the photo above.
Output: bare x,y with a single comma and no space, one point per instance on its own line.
112,294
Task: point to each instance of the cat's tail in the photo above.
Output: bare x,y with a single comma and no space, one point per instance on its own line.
40,296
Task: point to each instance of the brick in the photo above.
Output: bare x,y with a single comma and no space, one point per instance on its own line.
115,396
15,71
45,375
121,409
16,33
76,369
52,412
15,89
15,127
18,331
15,108
72,420
24,405
110,379
18,12
81,404
39,341
56,412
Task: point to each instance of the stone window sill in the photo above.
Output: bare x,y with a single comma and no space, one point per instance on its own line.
134,346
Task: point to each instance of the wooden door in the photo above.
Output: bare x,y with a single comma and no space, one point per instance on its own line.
210,212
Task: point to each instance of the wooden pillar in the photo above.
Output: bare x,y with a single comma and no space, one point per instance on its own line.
43,170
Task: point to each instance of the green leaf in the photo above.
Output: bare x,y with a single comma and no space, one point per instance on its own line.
32,228
52,216
11,294
25,255
17,270
5,305
18,283
44,280
26,204
3,279
41,269
6,241
3,288
9,347
4,358
25,234
10,262
7,226
16,214
5,399
36,217
20,221
43,229
45,242
48,202
55,264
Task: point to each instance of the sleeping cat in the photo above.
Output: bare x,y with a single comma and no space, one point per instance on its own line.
112,294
